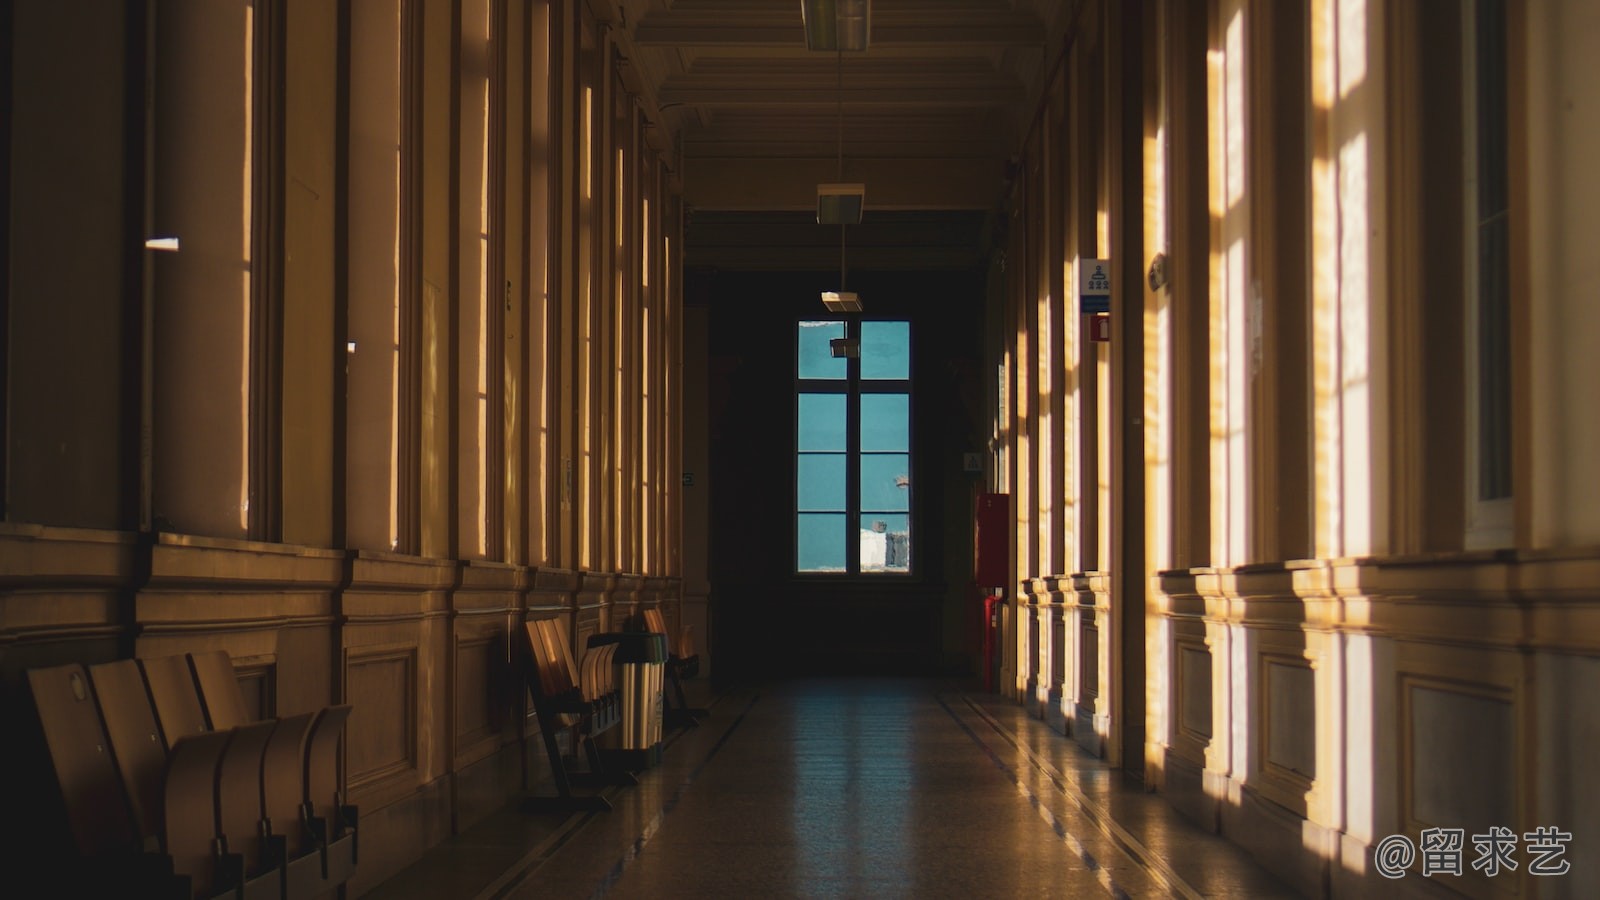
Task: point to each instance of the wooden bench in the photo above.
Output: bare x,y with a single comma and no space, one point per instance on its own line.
683,661
169,792
580,697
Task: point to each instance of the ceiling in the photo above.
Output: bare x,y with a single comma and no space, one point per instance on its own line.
752,119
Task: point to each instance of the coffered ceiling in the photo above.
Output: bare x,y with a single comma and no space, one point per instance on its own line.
753,119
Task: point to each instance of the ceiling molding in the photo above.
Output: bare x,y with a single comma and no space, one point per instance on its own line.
945,82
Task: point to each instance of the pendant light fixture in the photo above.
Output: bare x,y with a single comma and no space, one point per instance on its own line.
837,24
840,204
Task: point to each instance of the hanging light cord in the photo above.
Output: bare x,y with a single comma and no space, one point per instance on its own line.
839,56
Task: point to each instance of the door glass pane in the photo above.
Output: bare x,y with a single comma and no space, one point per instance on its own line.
822,421
885,422
886,350
820,481
885,481
820,542
885,542
815,355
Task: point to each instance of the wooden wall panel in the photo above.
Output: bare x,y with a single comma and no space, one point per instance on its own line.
1193,689
381,683
474,730
257,678
69,288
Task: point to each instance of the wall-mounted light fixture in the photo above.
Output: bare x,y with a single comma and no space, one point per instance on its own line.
837,24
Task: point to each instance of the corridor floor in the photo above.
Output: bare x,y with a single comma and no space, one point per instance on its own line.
857,788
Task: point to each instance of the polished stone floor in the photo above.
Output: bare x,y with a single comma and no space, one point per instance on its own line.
853,788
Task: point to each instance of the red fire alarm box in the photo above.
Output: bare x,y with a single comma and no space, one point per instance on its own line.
992,540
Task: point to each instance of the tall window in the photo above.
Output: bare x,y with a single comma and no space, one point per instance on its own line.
853,448
1488,238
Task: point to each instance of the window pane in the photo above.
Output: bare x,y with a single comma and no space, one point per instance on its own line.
885,542
815,355
820,544
885,422
822,421
820,481
886,350
885,482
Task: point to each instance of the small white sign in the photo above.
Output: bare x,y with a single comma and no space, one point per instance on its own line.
1094,285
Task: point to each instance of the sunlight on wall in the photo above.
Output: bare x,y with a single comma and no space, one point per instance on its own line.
586,152
586,424
247,193
1048,490
619,206
1236,398
1235,319
1021,422
1229,308
479,539
621,548
1355,343
646,507
1102,411
1351,40
1001,434
508,473
1326,469
394,382
1157,321
1072,333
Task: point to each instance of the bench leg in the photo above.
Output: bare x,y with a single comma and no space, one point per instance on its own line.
598,774
565,800
680,715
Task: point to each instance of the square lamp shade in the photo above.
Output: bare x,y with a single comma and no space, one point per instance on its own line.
841,301
840,204
845,348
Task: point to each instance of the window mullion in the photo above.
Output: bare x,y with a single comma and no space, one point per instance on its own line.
852,468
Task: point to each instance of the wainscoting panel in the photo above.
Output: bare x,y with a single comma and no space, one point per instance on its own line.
476,717
1193,689
381,738
1459,747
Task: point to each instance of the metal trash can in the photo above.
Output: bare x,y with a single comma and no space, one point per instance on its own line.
641,660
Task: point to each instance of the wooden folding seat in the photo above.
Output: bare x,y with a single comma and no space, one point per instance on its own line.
190,817
682,662
248,866
161,806
283,783
173,694
330,822
307,862
220,697
111,858
567,696
81,754
130,720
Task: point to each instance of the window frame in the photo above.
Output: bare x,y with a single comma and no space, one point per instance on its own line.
852,386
